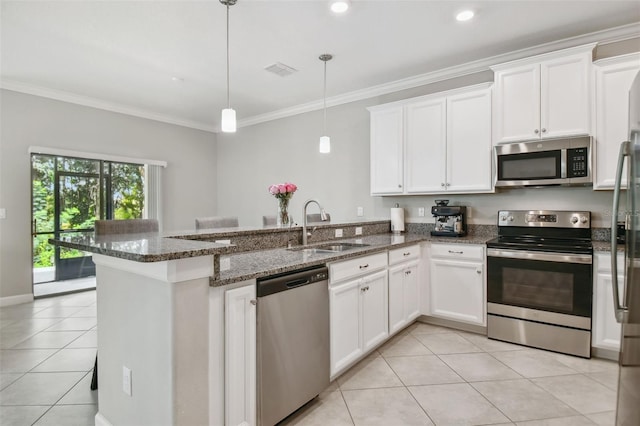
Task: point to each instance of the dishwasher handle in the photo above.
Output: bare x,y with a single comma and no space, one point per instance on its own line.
291,280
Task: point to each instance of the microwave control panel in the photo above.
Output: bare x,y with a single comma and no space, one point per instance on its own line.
577,159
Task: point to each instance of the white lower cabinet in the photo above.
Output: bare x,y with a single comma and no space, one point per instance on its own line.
404,295
240,355
358,308
457,283
606,330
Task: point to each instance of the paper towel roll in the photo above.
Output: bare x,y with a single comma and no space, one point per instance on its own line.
397,219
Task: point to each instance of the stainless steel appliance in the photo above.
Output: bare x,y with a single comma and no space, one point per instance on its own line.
627,304
450,220
539,280
293,341
563,162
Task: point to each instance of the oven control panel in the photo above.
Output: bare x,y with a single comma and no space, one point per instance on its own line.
545,218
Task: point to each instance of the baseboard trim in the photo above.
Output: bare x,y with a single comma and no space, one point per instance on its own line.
102,421
610,354
453,324
16,300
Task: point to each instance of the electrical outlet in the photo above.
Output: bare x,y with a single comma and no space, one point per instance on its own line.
421,211
360,211
3,213
338,233
126,380
358,230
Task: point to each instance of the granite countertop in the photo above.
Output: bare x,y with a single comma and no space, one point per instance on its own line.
605,246
257,264
145,247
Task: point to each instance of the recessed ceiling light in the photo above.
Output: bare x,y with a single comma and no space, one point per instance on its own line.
340,6
465,15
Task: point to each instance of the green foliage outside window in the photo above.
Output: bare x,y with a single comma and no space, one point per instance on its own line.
79,195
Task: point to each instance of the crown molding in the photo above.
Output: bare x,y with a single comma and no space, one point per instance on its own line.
61,95
600,37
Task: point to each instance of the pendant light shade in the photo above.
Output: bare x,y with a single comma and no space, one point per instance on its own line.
228,119
325,144
325,141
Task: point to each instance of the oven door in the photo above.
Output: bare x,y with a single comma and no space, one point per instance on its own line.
559,283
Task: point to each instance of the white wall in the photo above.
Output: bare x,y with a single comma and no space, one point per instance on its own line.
189,180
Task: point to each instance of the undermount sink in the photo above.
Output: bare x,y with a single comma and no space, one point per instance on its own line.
328,248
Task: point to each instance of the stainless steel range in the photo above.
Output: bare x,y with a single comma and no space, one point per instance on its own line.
539,280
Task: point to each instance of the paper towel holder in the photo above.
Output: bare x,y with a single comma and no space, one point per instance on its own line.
397,219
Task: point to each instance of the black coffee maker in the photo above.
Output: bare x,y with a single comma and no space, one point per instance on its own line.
450,220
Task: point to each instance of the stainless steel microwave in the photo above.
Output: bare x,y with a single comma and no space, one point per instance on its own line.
548,162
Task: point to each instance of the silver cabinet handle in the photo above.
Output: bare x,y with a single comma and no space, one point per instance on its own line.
442,184
254,302
622,312
364,266
399,186
536,131
478,271
407,273
407,254
362,289
447,184
455,252
544,130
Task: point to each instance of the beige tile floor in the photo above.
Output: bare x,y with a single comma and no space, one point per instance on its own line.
423,376
430,375
47,351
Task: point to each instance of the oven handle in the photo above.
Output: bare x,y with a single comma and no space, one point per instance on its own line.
585,259
622,312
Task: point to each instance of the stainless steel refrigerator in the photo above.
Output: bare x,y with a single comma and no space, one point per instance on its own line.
627,301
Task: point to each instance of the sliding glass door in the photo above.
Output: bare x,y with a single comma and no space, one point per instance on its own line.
69,195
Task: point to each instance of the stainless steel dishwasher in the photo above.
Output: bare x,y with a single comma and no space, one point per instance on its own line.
293,341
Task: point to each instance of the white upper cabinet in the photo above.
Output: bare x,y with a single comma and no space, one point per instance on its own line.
386,151
469,142
443,140
546,96
613,81
425,145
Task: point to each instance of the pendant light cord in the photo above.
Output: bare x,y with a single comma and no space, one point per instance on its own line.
228,101
324,124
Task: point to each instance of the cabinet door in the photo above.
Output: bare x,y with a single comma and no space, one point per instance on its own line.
375,313
403,295
411,292
469,142
457,290
240,356
425,146
613,81
517,103
565,96
344,306
397,317
606,330
386,151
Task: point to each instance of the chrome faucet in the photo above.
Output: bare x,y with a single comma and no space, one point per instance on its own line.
323,216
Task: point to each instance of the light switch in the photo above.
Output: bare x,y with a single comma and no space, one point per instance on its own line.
358,230
338,233
360,211
3,213
421,211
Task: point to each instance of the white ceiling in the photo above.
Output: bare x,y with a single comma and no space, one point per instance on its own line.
122,55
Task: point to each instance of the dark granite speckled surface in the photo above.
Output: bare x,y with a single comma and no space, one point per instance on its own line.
257,264
148,247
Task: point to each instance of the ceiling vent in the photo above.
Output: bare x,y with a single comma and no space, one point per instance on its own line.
281,69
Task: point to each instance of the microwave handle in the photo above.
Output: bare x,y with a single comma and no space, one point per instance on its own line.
621,312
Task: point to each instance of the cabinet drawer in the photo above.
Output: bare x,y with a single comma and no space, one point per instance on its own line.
458,251
403,254
359,266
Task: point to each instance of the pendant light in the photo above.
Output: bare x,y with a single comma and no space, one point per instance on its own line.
228,121
325,141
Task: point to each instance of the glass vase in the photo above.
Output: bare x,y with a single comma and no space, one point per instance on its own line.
282,218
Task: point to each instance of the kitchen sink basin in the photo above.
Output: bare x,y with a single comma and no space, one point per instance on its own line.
328,248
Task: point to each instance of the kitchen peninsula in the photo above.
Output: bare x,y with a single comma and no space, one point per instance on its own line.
161,341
